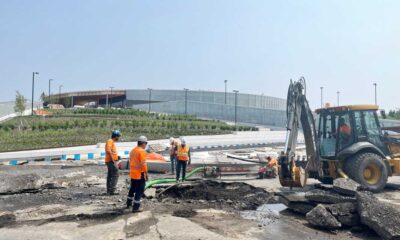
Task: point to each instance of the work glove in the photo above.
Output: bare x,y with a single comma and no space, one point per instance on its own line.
146,177
190,161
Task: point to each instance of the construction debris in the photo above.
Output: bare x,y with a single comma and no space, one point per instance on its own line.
324,196
345,186
13,183
320,217
382,217
296,202
6,217
236,195
345,213
344,206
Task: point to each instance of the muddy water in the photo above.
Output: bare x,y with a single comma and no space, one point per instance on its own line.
264,214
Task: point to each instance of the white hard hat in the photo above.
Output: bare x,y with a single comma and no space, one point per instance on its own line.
171,139
183,140
142,139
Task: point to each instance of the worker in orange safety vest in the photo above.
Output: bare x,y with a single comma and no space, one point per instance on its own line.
183,159
138,174
111,160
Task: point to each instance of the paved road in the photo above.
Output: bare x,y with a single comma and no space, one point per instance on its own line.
227,140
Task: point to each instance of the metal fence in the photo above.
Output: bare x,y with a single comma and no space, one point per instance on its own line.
254,109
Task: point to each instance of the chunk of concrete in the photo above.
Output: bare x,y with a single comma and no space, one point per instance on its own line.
324,186
320,217
296,202
12,183
345,186
346,213
383,218
6,217
150,193
323,196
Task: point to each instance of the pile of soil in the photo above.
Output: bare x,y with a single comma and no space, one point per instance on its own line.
236,195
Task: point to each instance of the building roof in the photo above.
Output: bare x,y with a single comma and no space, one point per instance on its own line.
349,108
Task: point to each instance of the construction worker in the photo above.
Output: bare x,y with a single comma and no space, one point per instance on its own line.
138,174
344,128
344,131
270,170
273,165
111,160
183,159
172,154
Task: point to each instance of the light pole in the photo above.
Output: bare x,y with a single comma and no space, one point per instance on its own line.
186,93
322,97
236,92
59,94
226,88
376,96
149,99
338,97
111,96
33,88
50,80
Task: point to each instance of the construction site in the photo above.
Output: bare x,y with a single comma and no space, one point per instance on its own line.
199,120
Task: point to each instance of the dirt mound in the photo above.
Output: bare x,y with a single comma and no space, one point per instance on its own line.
237,195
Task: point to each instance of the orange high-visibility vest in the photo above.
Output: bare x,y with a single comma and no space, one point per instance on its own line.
183,152
345,129
110,144
137,162
272,163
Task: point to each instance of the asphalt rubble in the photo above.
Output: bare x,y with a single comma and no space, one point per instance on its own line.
344,205
219,195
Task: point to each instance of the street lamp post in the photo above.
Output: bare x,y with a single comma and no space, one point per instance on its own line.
376,96
226,89
236,92
33,88
322,97
338,97
186,94
111,97
149,99
50,80
59,94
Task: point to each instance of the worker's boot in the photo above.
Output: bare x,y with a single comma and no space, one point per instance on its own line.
129,203
136,207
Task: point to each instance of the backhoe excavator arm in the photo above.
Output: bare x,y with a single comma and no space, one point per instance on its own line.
298,112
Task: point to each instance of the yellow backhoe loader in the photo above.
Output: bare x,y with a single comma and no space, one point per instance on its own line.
347,141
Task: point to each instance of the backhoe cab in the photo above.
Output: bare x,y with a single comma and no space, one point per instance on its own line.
346,141
352,143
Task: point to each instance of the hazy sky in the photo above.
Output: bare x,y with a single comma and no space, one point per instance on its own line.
257,45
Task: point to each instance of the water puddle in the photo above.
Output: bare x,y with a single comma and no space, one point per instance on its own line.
264,214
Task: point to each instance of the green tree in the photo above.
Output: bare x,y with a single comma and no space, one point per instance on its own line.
20,103
42,97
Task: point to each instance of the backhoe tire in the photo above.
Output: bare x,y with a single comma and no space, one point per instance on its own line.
368,169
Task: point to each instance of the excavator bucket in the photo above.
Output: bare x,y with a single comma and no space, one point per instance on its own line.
297,178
